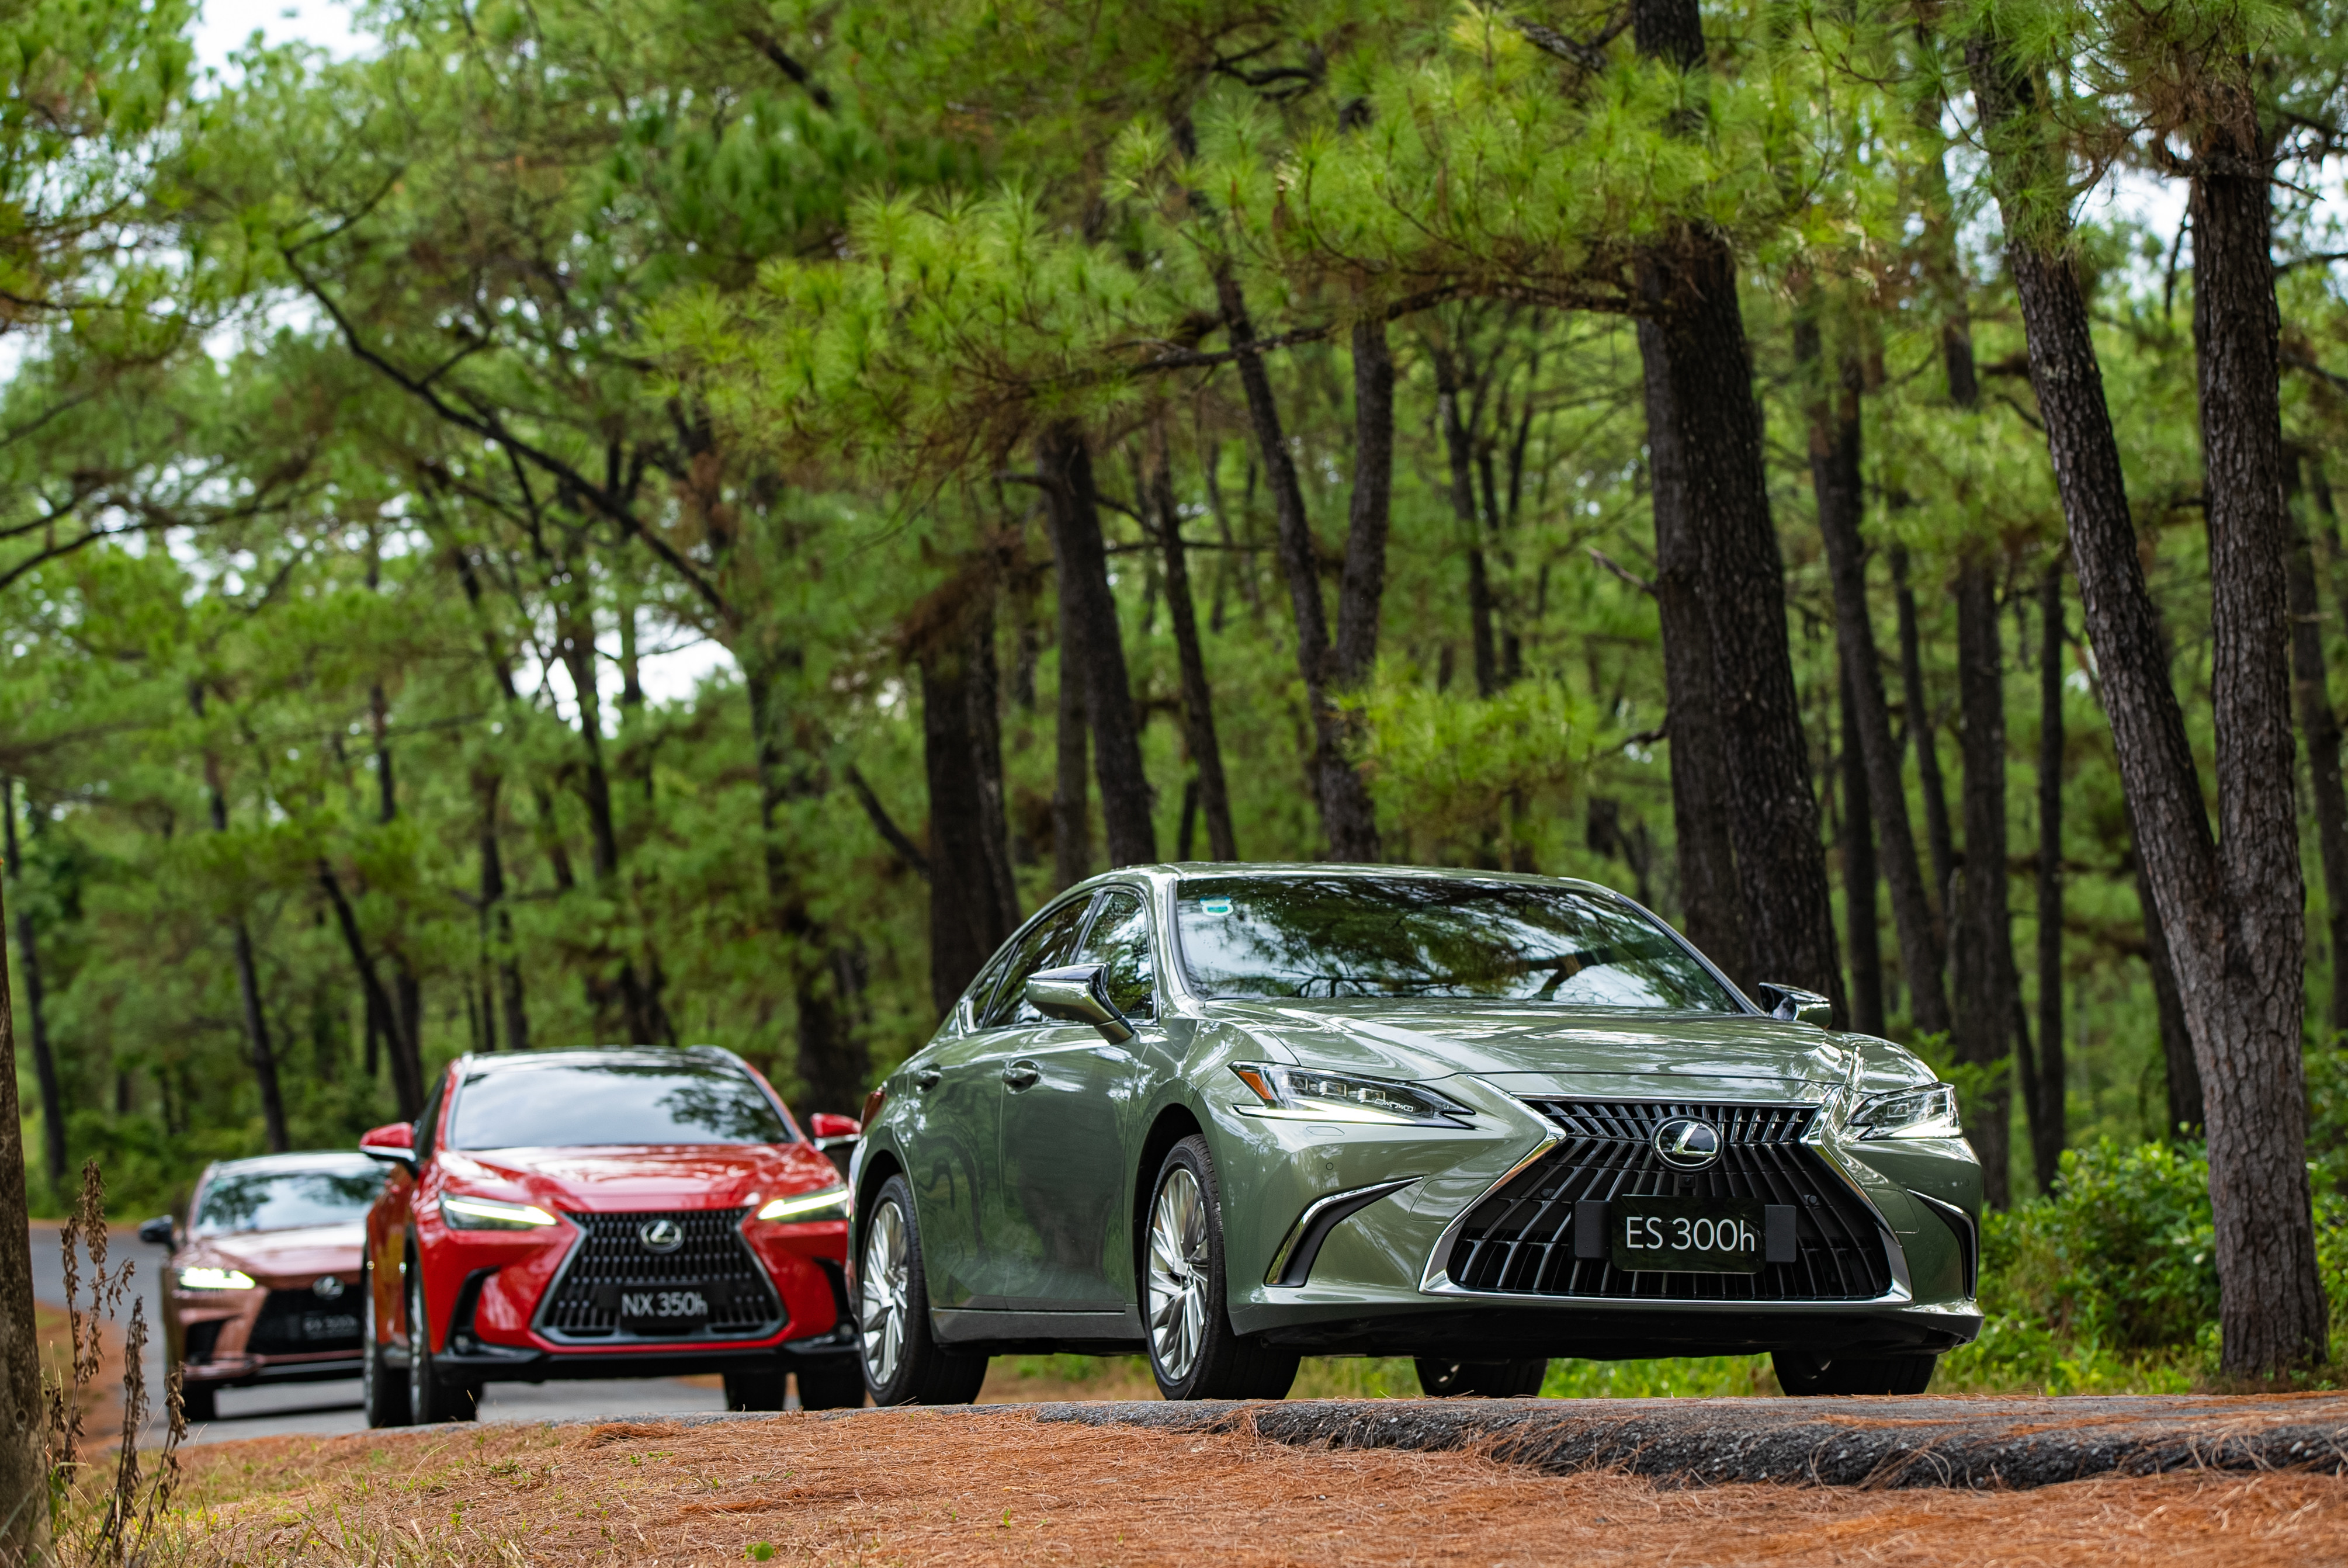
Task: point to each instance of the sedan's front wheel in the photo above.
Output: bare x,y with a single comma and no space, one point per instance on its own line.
1194,1353
1488,1380
904,1364
1805,1372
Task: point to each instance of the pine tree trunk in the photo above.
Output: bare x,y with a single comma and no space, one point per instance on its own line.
23,1424
2185,1119
1458,446
2321,723
1835,435
1072,856
1082,561
972,912
1208,791
1924,734
2048,1132
1361,590
248,977
28,953
1981,942
2234,919
497,923
406,1081
1859,874
1346,812
1713,906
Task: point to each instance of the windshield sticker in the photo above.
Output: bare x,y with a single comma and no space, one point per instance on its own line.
1215,905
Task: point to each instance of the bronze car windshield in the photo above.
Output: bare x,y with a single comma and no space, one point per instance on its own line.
1356,936
261,1200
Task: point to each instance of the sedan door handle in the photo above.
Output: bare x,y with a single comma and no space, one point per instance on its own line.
1021,1074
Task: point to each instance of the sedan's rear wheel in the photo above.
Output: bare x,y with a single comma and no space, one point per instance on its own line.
383,1386
198,1401
1194,1352
904,1364
1488,1380
1806,1372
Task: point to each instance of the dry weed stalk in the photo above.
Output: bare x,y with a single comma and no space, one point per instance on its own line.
122,1528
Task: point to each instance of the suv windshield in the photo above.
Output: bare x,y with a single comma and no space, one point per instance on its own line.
1399,936
237,1201
557,1105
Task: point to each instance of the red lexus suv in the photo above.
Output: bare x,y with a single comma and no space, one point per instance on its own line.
626,1212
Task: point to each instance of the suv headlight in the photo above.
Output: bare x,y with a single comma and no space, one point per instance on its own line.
489,1215
823,1203
215,1279
1307,1094
1926,1112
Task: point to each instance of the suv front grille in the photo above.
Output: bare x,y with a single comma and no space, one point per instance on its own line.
1519,1238
713,1258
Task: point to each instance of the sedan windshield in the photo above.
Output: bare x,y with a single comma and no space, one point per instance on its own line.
1395,936
236,1200
608,1103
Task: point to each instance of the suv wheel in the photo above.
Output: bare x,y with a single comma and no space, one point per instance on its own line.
754,1390
383,1386
432,1395
832,1385
902,1365
1194,1353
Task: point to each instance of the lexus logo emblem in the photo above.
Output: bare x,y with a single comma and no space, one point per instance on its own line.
326,1287
661,1235
1687,1144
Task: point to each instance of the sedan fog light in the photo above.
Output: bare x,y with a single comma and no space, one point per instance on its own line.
823,1203
1304,1094
215,1279
1926,1112
489,1215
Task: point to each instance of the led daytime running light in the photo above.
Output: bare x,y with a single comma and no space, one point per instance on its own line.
824,1204
1926,1112
215,1279
489,1215
1306,1094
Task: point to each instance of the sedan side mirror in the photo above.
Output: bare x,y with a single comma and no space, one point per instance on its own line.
157,1231
1796,1006
1078,995
394,1143
830,1130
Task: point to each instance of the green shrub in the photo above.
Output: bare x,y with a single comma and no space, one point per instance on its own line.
2122,1254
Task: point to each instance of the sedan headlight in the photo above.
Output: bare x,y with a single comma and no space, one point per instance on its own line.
823,1203
1306,1094
1926,1112
489,1215
215,1279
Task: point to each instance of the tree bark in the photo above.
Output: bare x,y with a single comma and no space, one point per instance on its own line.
28,952
974,908
1925,735
2234,918
1981,943
247,976
1083,564
1207,793
1352,818
497,922
2313,688
1071,788
1835,435
407,1075
1346,812
2048,1133
2183,1073
1859,874
1450,384
24,1426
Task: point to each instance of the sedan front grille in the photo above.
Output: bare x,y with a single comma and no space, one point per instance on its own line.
299,1322
713,1258
1519,1238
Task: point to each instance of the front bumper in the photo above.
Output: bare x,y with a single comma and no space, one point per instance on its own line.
1379,1284
487,1363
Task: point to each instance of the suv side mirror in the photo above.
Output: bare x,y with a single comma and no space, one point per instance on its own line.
157,1231
394,1143
1795,1005
830,1130
1078,995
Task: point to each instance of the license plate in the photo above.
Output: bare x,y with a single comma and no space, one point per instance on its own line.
665,1309
1686,1235
330,1326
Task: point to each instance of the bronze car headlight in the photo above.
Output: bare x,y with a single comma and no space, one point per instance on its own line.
823,1203
1926,1112
1307,1094
489,1215
215,1279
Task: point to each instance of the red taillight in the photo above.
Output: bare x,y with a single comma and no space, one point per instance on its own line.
872,1104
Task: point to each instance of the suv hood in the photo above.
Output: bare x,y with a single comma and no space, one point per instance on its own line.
1527,1049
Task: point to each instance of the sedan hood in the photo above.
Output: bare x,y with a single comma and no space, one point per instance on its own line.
301,1253
1530,1049
613,1180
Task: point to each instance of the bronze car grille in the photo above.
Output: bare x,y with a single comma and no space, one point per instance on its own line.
1519,1239
713,1258
298,1323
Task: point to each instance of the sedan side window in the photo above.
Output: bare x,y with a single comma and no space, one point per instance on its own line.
1119,942
1044,947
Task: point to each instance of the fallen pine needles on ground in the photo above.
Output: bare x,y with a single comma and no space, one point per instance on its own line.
954,1488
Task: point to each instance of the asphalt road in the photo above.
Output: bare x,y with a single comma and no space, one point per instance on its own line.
327,1409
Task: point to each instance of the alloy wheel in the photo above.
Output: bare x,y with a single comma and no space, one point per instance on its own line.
1178,1273
887,1280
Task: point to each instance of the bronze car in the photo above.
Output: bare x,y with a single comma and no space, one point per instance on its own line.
263,1285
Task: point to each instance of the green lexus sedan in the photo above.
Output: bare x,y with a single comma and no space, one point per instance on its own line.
1227,1115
